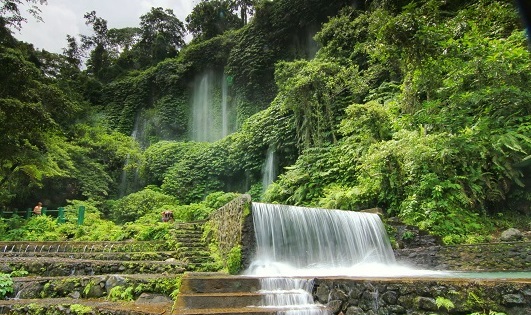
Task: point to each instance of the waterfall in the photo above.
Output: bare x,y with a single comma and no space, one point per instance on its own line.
211,118
290,296
129,178
269,169
310,241
224,107
201,109
294,243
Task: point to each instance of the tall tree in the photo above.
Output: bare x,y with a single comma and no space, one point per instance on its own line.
245,8
211,18
73,52
10,14
100,56
162,34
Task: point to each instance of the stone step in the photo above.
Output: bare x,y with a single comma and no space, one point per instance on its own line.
196,251
228,311
74,246
217,293
190,241
159,256
97,307
234,300
57,266
218,300
86,286
218,283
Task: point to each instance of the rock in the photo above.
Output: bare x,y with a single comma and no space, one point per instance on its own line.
75,295
513,299
322,294
147,298
338,294
427,304
511,234
354,310
114,281
171,260
390,297
335,306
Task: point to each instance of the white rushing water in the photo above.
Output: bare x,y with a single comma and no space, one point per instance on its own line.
224,107
201,109
269,169
290,296
211,116
311,241
297,243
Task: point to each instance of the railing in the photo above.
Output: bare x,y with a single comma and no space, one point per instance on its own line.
59,213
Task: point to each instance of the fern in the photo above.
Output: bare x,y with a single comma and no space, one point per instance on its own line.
444,302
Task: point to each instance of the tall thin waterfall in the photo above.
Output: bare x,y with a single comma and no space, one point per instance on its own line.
201,109
224,107
269,169
308,241
211,116
129,178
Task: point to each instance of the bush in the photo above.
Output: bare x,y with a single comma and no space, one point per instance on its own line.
6,285
136,205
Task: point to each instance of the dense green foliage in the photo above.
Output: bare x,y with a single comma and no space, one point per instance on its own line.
421,108
439,141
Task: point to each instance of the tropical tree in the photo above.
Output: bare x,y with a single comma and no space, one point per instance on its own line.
244,7
211,18
10,14
100,56
161,34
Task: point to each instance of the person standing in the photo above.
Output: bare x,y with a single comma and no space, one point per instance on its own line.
37,210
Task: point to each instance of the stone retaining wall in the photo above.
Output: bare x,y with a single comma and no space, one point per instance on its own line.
227,226
423,296
87,287
488,257
66,267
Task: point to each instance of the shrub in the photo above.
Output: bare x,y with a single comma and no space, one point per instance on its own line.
6,285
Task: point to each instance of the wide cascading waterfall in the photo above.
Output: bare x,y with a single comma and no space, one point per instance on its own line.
307,241
294,243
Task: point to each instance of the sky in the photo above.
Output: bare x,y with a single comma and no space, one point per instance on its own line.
62,17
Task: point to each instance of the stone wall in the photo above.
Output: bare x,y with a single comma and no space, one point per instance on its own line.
422,296
228,226
477,257
63,267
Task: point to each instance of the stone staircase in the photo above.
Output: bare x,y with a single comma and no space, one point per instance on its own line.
58,276
214,293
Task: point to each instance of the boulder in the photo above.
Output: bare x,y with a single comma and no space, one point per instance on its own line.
148,298
511,234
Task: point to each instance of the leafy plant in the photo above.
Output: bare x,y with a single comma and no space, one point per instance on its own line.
234,260
6,285
79,309
119,293
19,273
444,302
